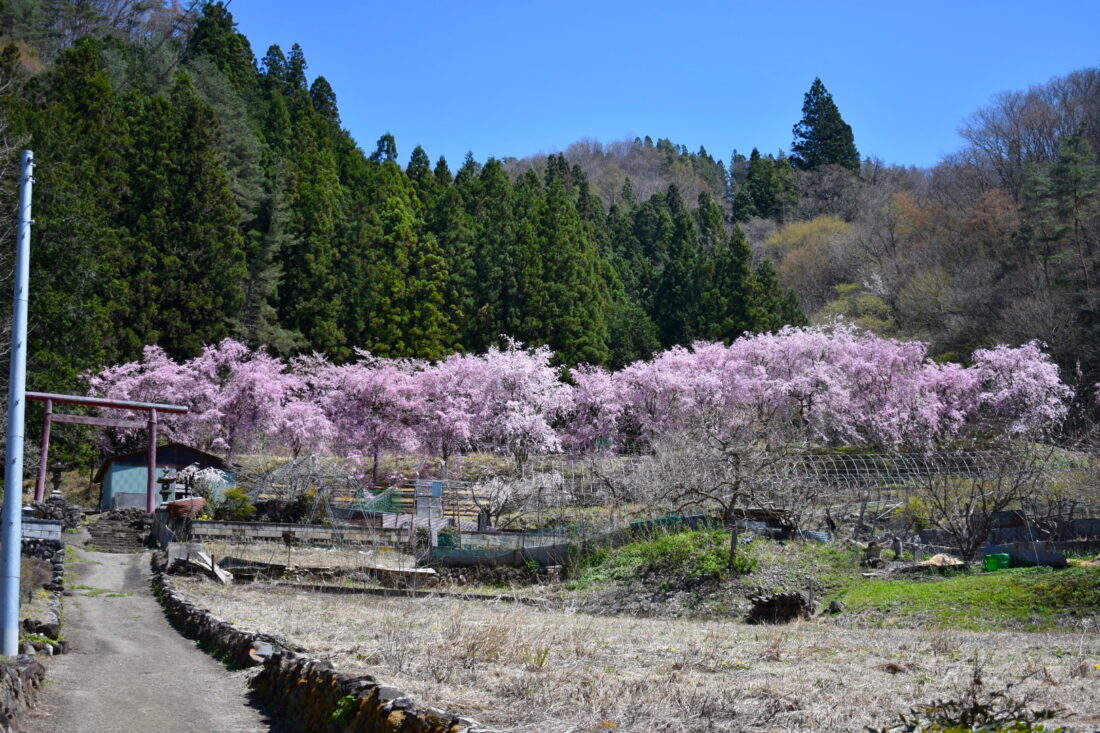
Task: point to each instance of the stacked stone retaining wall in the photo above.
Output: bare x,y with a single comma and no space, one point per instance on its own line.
307,691
20,681
21,678
53,552
57,509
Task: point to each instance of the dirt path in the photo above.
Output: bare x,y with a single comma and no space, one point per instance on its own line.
128,670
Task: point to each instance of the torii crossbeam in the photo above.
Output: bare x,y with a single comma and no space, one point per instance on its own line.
51,417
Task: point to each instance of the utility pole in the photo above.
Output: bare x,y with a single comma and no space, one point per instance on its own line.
12,538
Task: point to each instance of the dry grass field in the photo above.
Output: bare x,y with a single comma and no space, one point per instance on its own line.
307,556
517,668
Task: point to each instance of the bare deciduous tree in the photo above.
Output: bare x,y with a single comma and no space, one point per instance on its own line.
704,471
966,508
516,496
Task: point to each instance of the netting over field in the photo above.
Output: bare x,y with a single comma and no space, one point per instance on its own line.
485,509
589,495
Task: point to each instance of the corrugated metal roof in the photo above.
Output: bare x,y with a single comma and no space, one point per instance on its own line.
171,455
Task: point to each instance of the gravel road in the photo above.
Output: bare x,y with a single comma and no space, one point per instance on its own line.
128,670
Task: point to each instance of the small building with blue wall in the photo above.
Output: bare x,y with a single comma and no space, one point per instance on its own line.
123,479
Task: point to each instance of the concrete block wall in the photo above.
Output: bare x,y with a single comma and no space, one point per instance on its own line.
41,529
305,533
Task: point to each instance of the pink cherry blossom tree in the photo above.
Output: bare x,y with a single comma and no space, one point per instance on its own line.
597,410
373,407
452,406
1020,392
523,396
156,378
837,385
238,399
250,393
824,385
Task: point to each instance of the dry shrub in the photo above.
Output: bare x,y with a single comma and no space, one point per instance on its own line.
773,651
483,644
34,574
1083,669
979,708
943,643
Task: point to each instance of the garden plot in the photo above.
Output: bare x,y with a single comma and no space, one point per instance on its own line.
518,668
337,558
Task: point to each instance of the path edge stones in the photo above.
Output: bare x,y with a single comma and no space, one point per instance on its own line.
22,677
299,688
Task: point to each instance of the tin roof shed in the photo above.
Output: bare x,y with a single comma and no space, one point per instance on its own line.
123,478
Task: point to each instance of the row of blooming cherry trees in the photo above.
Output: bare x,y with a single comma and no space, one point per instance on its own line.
830,385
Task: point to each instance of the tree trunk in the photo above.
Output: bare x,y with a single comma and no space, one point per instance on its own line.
732,521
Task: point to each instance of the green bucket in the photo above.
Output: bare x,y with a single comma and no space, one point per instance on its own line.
997,561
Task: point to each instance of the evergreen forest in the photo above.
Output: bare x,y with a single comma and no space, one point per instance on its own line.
189,190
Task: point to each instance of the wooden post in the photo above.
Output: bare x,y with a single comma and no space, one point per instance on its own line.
43,459
150,495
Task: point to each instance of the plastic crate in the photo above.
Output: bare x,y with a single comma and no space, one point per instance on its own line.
997,561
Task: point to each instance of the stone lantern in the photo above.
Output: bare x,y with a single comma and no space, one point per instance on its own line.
55,478
167,486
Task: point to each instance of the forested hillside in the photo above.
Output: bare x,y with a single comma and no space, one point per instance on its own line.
188,191
997,243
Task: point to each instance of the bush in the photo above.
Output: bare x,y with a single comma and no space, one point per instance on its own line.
697,555
915,515
958,716
449,537
34,573
996,711
236,505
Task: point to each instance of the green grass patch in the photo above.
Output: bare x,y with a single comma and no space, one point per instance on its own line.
1021,598
792,566
94,592
32,638
674,557
692,554
1014,599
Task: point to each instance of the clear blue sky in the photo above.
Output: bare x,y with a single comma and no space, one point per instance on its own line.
515,78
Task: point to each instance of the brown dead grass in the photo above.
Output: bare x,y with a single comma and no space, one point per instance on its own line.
340,558
519,668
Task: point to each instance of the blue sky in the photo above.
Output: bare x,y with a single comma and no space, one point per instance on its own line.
515,78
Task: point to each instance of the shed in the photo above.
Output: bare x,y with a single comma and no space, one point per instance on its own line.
123,479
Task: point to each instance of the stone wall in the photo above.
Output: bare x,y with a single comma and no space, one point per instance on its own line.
20,681
53,552
22,676
498,575
48,626
57,509
303,689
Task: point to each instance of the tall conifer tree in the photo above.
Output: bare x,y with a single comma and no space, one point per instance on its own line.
822,137
676,298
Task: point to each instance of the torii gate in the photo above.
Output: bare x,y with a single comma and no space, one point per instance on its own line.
104,422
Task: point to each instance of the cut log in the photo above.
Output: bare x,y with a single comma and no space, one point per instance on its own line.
778,608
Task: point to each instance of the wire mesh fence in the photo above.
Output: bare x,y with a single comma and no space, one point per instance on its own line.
490,508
